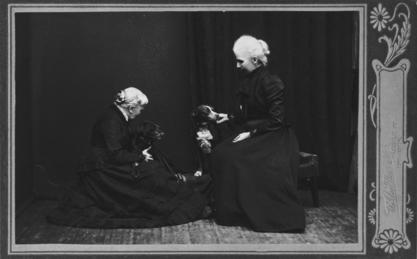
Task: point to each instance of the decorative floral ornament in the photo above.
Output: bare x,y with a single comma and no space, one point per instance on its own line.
390,240
372,193
379,17
396,43
372,216
394,32
409,216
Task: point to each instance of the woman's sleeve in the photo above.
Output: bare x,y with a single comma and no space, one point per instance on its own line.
114,140
273,95
236,117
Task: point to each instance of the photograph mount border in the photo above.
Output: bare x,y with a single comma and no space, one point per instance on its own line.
38,249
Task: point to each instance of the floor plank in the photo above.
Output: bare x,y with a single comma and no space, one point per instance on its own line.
201,232
335,221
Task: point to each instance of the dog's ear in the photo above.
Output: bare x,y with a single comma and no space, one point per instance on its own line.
194,113
155,126
205,110
152,126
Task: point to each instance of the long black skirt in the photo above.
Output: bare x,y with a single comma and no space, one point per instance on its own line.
254,183
117,197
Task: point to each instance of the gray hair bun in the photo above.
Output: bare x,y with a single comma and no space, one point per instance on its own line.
120,97
264,46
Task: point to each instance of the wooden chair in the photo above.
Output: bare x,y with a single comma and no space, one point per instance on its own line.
309,171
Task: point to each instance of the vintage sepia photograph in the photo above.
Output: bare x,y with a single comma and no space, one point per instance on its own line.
204,129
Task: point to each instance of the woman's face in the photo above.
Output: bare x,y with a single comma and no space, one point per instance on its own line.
245,62
135,111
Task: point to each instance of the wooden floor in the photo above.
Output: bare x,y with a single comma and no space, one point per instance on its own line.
335,221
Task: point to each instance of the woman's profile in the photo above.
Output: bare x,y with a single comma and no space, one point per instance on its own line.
254,171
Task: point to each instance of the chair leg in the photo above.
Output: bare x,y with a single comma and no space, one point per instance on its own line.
314,191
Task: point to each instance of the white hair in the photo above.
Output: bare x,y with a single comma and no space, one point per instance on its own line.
131,97
256,48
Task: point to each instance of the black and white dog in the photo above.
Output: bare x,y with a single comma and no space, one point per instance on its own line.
205,119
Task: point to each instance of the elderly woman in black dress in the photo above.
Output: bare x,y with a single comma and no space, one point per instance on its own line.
254,171
120,187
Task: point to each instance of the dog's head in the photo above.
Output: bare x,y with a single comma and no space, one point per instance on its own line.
204,114
144,134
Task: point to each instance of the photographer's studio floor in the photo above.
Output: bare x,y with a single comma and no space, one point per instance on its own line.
335,221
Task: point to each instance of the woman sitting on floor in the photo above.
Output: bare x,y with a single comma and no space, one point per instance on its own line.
122,187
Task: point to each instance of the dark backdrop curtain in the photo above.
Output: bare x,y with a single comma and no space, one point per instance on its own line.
313,53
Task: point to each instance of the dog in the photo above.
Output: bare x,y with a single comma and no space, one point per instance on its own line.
142,138
204,119
203,116
143,135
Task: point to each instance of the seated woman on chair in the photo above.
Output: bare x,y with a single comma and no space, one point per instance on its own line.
123,187
254,171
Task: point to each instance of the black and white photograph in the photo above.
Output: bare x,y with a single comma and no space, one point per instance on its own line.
145,129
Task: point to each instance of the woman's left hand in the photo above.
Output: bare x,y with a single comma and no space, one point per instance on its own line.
147,156
241,136
180,178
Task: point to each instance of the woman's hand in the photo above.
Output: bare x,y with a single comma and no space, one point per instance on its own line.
198,173
147,156
222,117
180,178
241,136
